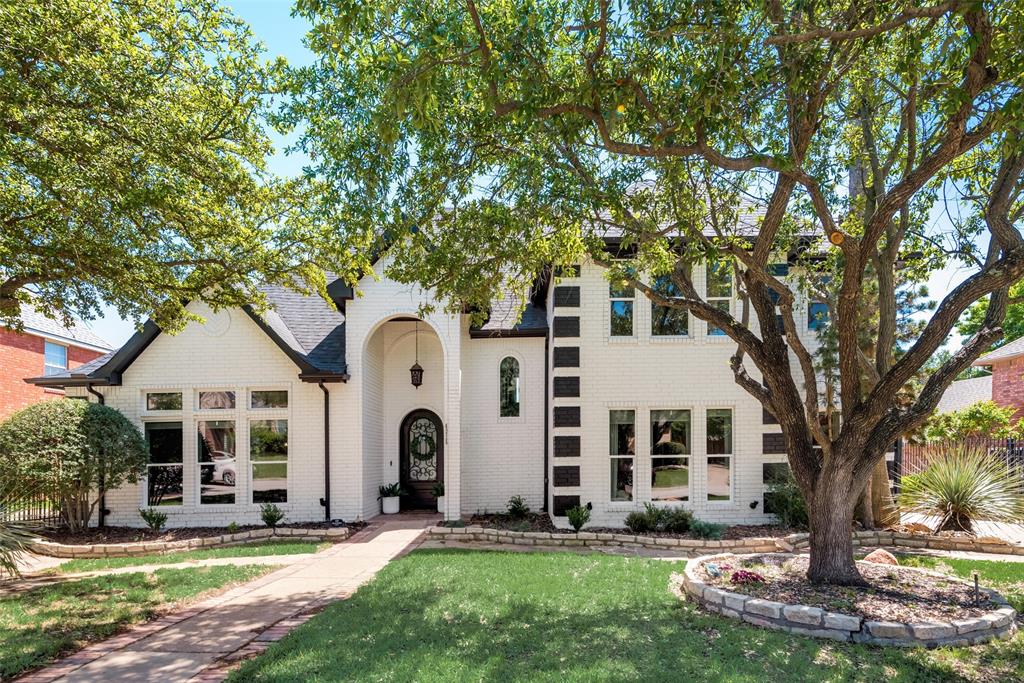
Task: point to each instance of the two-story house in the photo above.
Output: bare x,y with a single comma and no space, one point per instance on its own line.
593,395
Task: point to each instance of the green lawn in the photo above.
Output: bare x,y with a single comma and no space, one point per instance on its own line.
495,616
45,622
253,550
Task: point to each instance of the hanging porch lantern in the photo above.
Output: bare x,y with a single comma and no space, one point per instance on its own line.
416,371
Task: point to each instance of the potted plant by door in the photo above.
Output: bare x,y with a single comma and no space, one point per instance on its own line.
389,498
439,494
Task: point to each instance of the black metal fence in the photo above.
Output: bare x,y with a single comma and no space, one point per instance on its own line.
38,507
912,457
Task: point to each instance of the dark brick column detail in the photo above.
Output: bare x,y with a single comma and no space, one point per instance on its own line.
566,387
772,444
567,356
568,297
567,416
567,476
559,504
767,418
567,446
566,326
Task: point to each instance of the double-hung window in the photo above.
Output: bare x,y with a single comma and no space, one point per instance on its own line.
622,448
55,358
719,289
620,306
817,315
719,452
670,451
668,321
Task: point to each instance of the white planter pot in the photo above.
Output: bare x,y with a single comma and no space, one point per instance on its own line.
390,505
440,504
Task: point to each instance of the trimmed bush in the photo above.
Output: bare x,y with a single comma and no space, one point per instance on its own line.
653,518
676,520
271,514
73,450
578,516
154,519
707,530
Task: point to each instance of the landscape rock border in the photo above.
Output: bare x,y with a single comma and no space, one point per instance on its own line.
819,623
99,550
790,543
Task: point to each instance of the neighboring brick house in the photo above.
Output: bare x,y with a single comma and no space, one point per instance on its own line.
42,346
594,395
1007,364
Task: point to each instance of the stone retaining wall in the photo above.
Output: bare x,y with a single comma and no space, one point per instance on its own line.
44,547
819,623
793,542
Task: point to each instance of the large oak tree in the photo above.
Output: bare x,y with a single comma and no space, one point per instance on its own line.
132,162
513,134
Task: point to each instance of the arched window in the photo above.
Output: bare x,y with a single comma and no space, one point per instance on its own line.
508,387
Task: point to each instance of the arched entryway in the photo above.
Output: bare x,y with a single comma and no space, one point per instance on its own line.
421,459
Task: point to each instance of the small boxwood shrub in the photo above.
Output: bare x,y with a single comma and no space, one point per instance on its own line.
271,514
707,530
653,518
578,516
154,519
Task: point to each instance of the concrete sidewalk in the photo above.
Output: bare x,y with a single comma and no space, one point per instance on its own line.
181,645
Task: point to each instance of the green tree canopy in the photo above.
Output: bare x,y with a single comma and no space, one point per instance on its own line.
516,134
1013,324
132,170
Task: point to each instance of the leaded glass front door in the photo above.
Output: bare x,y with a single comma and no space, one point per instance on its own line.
422,458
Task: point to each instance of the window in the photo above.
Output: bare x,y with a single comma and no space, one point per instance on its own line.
218,473
665,320
164,483
258,400
719,288
773,474
268,452
163,401
817,315
670,436
55,358
508,390
719,451
621,307
622,448
216,400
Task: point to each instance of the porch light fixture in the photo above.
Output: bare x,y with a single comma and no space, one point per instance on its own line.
416,371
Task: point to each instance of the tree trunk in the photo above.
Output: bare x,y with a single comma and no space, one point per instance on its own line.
883,508
831,517
864,512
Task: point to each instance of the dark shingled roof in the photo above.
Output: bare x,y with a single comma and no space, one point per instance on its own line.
504,320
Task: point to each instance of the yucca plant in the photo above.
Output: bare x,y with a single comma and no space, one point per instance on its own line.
15,538
962,486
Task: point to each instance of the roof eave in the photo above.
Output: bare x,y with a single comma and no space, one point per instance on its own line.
505,334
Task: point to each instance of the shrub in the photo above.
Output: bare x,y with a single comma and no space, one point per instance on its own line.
787,502
962,486
390,491
742,576
233,528
154,519
271,514
654,518
707,530
578,516
981,419
517,507
677,520
638,522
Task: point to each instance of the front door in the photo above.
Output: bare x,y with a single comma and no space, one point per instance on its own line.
421,463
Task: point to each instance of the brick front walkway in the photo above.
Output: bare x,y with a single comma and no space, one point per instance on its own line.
201,643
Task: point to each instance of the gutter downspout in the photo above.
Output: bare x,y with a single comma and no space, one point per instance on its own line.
547,410
326,500
103,497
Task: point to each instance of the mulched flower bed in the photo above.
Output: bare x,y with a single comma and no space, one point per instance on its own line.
894,593
122,534
541,522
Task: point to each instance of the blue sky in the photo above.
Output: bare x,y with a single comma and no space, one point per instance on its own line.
283,34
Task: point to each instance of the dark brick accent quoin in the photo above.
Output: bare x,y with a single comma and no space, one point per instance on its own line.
566,387
566,326
773,444
567,446
567,416
567,297
567,476
567,356
767,418
559,504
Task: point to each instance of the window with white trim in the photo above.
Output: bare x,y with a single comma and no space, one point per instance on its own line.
165,471
268,455
55,358
622,449
670,450
217,458
163,400
620,307
719,289
667,321
719,454
508,387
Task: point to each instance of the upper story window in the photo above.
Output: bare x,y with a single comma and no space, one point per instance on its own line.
268,399
719,289
665,320
621,308
169,400
817,315
216,400
508,391
55,358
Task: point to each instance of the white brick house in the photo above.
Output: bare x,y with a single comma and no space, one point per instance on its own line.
590,397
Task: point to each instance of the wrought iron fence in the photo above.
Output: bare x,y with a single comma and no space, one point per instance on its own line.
38,507
915,457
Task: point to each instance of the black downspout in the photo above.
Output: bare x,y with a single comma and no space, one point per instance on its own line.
547,409
326,502
103,496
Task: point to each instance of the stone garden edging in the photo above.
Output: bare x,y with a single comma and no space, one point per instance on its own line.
98,550
790,543
818,623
